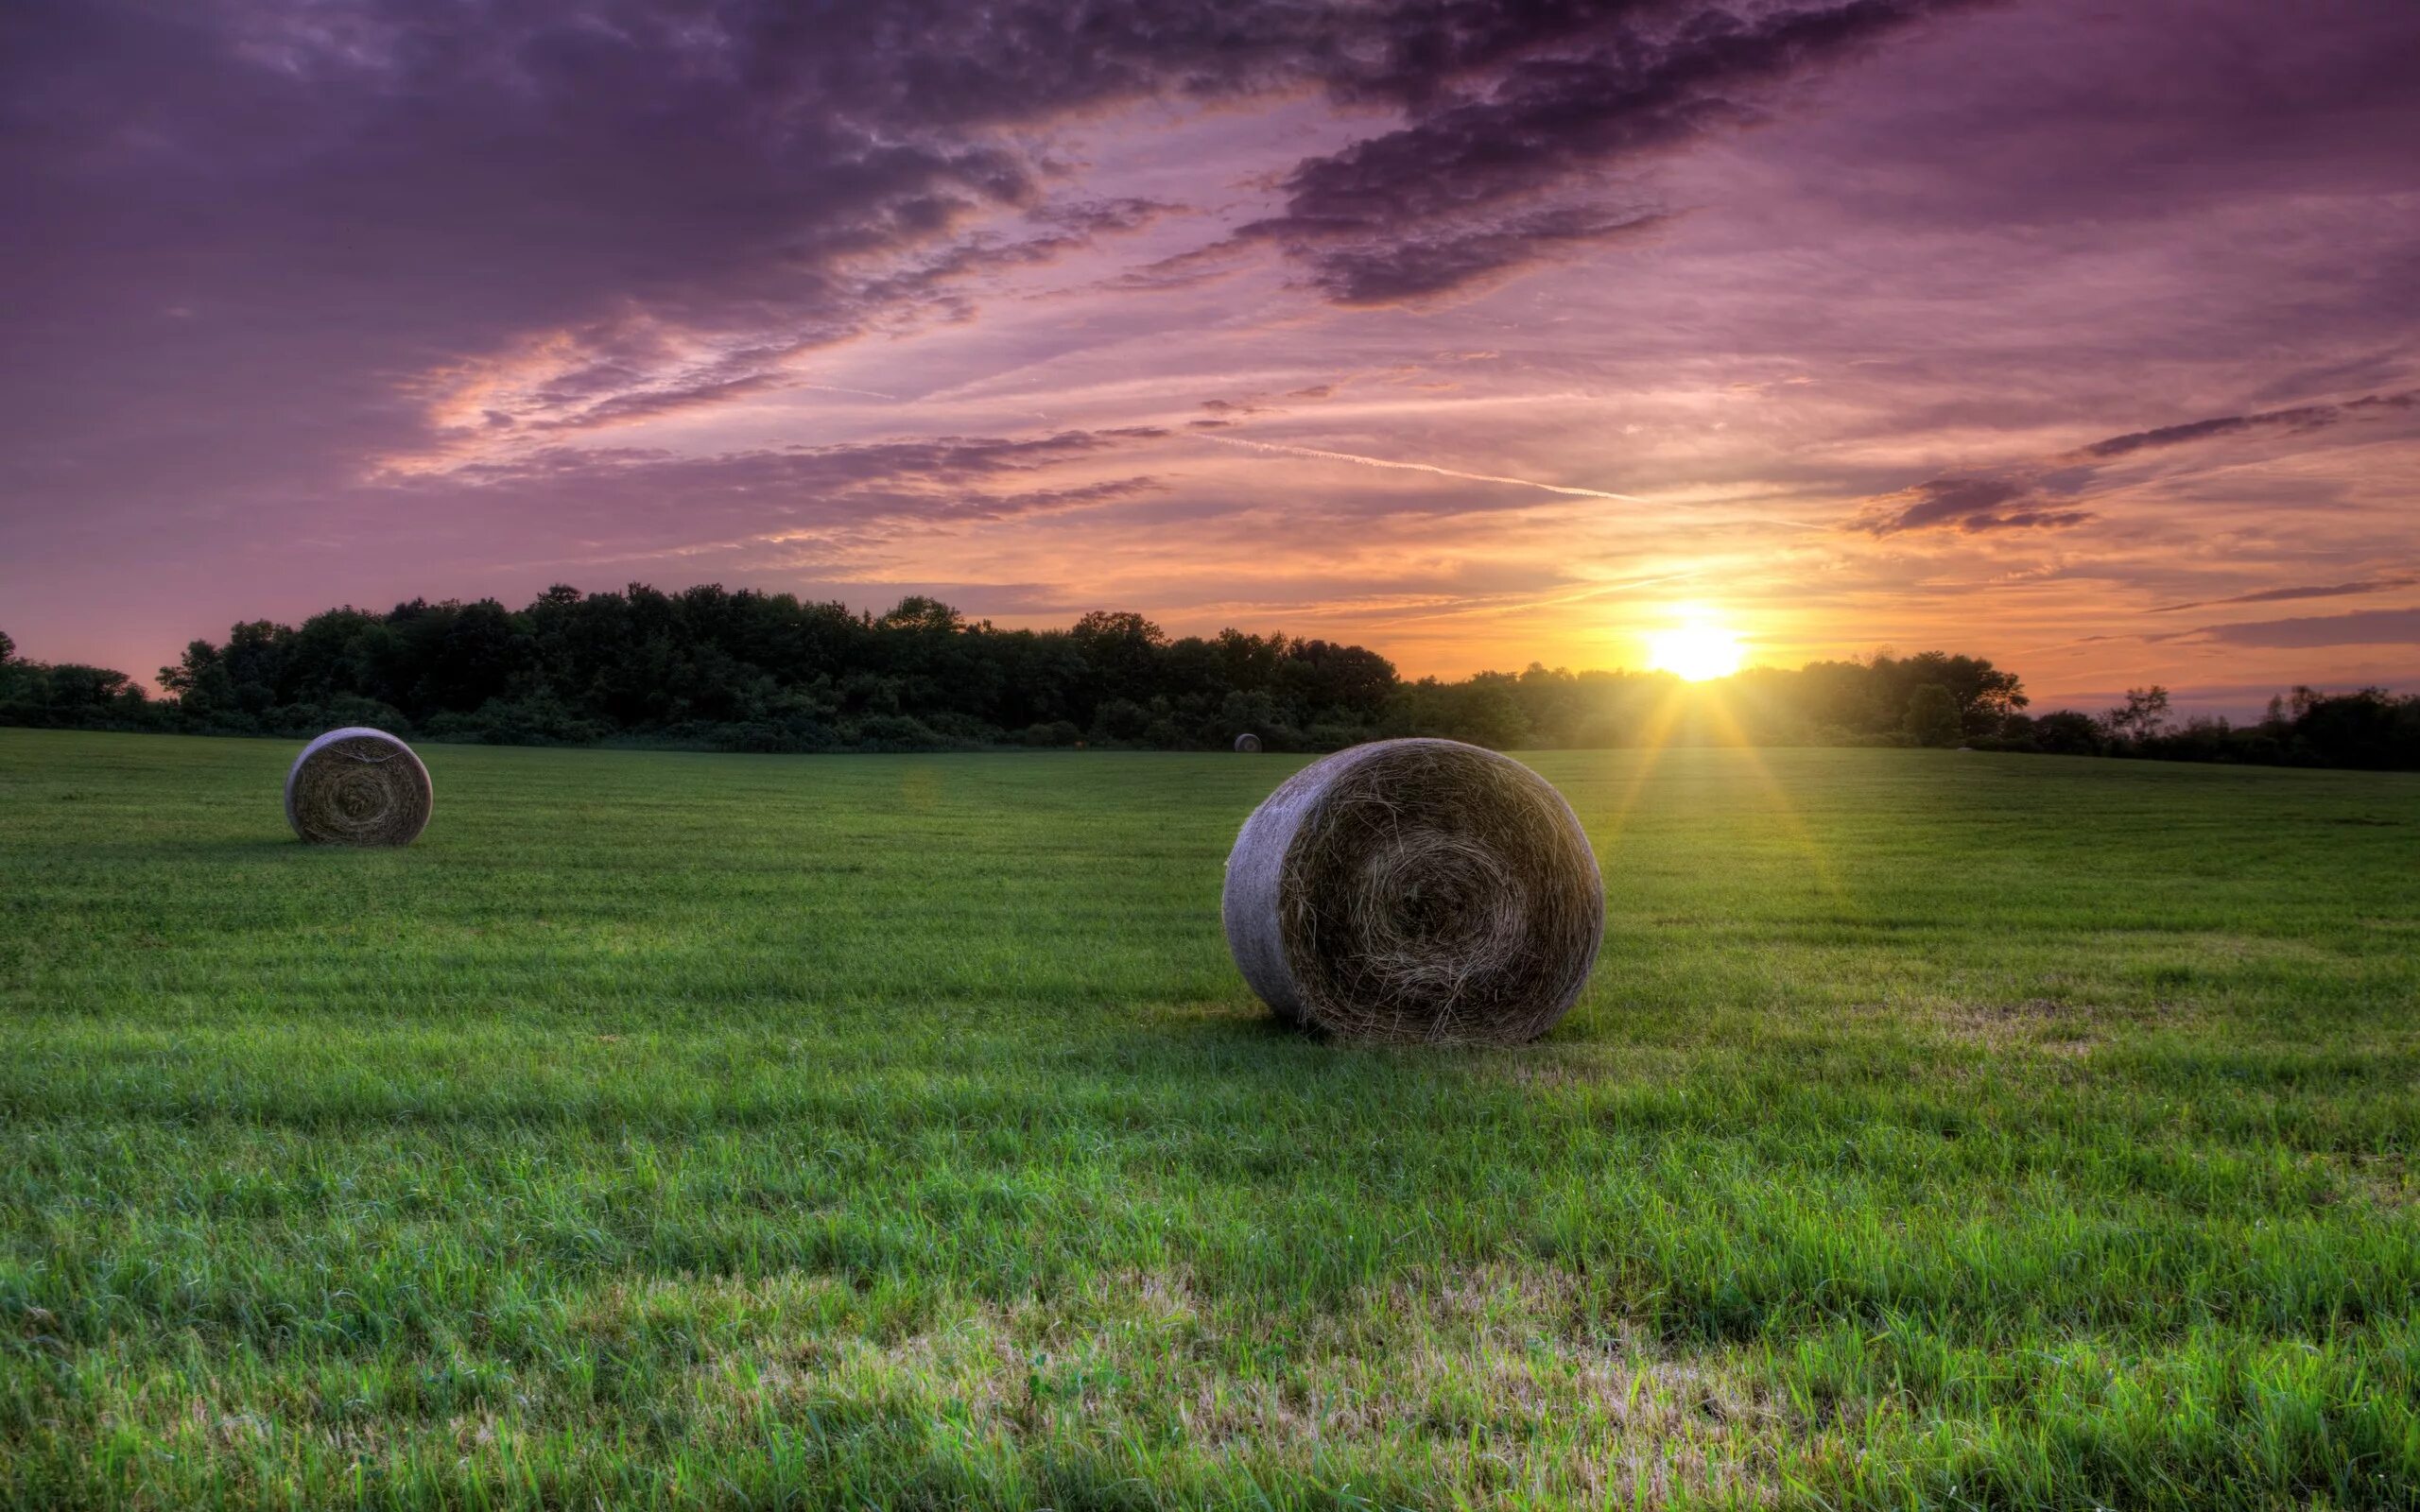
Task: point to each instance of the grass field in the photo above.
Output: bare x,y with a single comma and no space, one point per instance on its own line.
684,1130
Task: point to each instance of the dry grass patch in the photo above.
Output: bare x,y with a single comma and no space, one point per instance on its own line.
1495,1381
2041,1024
2386,1178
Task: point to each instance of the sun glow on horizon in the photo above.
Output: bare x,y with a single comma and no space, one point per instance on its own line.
1695,650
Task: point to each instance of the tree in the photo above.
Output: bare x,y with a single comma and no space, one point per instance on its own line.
1123,650
2142,715
2370,728
1983,693
1490,715
8,649
1933,716
2066,732
918,613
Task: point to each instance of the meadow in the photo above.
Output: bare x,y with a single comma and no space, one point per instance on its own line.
1941,1129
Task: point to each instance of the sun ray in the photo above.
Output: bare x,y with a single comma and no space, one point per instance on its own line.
1718,706
1649,750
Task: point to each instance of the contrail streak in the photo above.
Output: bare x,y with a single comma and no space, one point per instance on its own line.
836,389
1422,467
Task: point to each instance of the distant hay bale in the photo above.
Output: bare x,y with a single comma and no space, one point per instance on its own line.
1248,743
1419,890
358,786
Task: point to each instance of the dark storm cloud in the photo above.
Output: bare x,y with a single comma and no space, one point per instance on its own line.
2299,418
1513,103
1411,267
246,225
2379,627
250,225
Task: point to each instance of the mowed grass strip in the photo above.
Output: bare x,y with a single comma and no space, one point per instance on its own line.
676,1130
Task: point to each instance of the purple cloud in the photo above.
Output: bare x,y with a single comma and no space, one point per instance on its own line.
2300,418
1971,505
2010,501
2377,626
1513,104
2284,595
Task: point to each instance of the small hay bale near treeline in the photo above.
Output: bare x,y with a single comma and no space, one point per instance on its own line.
358,786
1248,743
1416,890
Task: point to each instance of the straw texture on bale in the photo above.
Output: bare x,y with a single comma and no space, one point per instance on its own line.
1420,890
358,786
1248,743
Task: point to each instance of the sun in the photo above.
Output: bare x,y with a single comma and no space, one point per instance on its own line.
1695,650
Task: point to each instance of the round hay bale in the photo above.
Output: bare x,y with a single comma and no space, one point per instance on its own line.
358,786
1248,743
1417,890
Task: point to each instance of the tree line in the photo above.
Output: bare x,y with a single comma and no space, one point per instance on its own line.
740,670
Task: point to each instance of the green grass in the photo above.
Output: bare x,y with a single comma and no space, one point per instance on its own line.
1940,1129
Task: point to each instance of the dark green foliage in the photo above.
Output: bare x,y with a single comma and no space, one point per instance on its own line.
1933,716
2061,732
2142,716
67,696
757,672
2369,729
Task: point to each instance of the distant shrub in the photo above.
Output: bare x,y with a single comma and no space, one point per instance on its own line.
1932,717
531,721
766,736
1120,719
893,733
71,696
2066,732
1164,734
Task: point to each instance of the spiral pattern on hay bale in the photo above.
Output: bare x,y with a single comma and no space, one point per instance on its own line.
358,786
1415,890
1248,743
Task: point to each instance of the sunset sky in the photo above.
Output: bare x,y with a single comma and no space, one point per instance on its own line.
2077,334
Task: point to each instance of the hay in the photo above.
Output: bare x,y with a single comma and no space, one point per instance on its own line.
1415,890
358,786
1248,743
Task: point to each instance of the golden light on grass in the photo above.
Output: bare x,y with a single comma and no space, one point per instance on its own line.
1696,649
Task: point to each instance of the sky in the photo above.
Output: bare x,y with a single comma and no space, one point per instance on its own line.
2076,333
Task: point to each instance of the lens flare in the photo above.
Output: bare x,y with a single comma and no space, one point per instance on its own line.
1696,651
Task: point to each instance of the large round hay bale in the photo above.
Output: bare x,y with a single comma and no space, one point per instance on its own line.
1248,743
358,786
1416,890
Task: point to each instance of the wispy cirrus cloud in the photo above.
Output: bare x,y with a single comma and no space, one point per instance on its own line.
1972,505
829,506
2379,627
2043,495
2286,595
1432,468
2297,419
